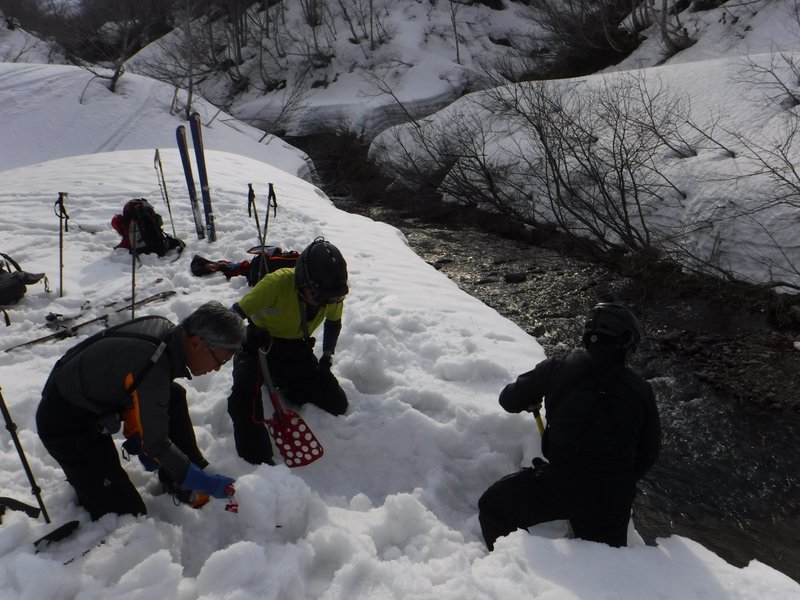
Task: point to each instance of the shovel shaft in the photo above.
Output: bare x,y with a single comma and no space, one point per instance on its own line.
273,393
277,407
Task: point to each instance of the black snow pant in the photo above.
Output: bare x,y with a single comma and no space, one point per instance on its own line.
90,459
296,372
598,508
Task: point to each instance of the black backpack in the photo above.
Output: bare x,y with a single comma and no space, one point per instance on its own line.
141,228
268,259
111,421
14,281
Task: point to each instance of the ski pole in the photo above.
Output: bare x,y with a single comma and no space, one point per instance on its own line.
63,225
272,202
12,428
133,268
252,210
162,184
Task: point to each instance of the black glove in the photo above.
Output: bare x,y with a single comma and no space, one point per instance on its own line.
256,338
310,343
326,361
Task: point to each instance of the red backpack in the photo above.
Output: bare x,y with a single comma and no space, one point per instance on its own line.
141,228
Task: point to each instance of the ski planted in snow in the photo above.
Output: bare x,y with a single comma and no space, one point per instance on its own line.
183,149
69,331
197,139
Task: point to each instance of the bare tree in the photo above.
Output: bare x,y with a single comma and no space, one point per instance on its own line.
587,28
313,12
776,158
106,33
185,59
779,78
454,6
673,33
364,22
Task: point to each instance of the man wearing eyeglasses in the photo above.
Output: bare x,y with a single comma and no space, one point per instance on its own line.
283,311
123,378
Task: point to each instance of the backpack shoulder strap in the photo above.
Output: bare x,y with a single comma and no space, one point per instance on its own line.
11,261
161,347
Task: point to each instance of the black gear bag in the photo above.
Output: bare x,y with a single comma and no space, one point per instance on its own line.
268,259
141,228
14,281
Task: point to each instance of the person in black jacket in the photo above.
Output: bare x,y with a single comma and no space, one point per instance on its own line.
603,434
123,378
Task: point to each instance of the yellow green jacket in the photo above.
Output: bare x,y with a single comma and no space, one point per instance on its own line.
273,305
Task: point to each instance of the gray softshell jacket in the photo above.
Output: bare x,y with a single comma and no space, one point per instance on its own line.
97,379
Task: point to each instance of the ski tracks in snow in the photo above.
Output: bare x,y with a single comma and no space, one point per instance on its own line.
126,127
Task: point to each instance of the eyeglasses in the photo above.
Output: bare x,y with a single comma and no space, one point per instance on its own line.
213,354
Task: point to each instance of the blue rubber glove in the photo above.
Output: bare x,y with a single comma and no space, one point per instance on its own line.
213,485
133,445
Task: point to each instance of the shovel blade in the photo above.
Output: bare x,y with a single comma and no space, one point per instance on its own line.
294,439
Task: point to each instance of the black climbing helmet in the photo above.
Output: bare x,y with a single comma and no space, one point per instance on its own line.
612,324
322,269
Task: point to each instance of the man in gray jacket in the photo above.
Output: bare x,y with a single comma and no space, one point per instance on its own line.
123,377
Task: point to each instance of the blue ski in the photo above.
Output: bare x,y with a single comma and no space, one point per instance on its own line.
197,138
180,134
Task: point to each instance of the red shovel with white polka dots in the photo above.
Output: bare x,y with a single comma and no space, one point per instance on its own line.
294,439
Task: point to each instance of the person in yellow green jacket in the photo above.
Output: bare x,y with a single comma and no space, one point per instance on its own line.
283,310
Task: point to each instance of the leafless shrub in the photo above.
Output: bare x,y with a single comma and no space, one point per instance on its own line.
673,33
595,160
777,159
580,29
779,78
365,22
185,60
